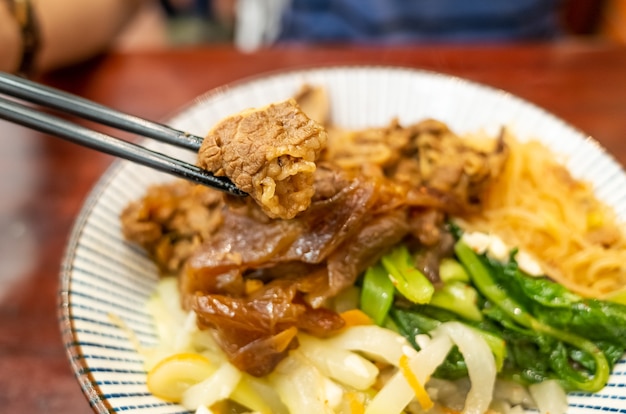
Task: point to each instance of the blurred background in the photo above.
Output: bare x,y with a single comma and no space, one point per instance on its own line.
251,23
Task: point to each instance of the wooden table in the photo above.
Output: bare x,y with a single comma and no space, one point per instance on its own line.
44,180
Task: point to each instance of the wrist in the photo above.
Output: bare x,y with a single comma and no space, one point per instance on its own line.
28,32
10,39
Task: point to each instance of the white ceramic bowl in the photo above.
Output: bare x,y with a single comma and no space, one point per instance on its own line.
103,275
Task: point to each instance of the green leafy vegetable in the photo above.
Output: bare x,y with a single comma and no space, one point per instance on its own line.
515,310
553,304
537,329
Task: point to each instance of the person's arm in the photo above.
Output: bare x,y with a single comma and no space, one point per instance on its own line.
70,30
10,40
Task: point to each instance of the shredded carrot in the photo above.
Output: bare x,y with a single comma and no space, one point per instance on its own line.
282,339
420,392
356,406
356,317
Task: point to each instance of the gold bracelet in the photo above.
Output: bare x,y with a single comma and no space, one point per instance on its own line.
22,11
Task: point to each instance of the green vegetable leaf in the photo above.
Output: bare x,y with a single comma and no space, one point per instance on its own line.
484,280
555,305
537,289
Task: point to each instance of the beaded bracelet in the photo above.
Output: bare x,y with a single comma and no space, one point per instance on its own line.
22,11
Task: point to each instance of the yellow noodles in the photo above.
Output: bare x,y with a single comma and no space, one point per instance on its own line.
539,207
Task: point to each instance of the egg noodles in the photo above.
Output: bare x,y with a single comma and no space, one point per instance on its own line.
537,205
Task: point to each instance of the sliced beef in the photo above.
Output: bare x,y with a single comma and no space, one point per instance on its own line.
269,153
257,331
172,220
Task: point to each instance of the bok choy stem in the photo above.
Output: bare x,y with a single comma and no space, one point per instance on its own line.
409,281
376,294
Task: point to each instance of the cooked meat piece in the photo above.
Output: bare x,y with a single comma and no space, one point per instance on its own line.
329,222
243,243
314,103
452,165
246,243
368,147
269,153
426,154
254,332
328,181
427,225
356,254
434,242
406,170
172,220
257,331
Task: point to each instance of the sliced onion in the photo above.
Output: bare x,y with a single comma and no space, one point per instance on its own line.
397,393
549,397
346,367
481,365
300,385
203,410
217,387
378,343
172,376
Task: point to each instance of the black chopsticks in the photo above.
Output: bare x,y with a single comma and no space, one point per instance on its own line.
28,116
